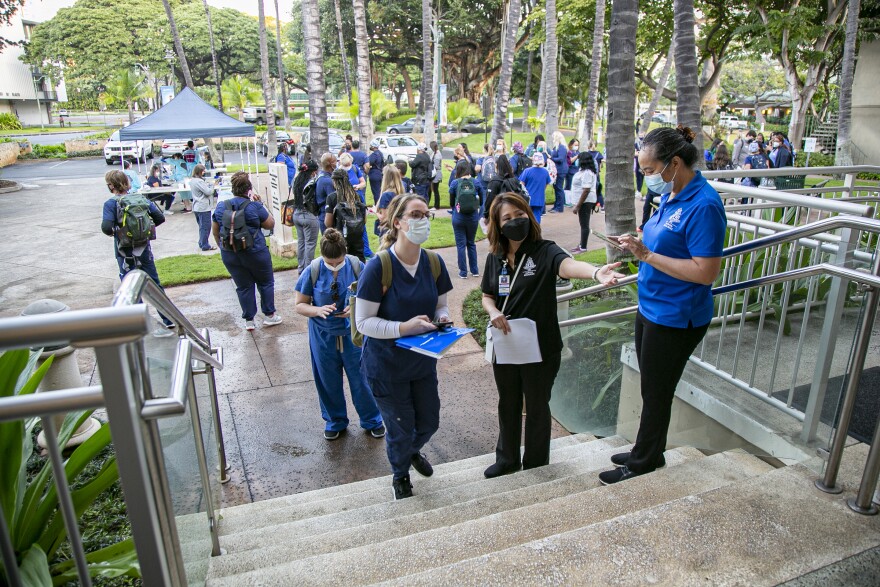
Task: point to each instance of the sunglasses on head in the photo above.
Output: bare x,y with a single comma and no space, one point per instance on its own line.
334,291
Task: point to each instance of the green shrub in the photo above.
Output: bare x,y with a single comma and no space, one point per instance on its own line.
9,121
816,160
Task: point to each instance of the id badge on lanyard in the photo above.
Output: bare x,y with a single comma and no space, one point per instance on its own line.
504,281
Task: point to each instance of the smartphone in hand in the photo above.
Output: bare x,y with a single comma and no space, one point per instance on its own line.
611,240
441,325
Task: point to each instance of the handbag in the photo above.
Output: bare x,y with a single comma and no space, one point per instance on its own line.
490,347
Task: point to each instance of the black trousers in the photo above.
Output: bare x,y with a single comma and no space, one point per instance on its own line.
662,353
647,208
584,213
435,187
535,382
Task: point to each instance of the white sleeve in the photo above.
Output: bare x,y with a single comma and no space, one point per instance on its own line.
442,310
369,324
576,187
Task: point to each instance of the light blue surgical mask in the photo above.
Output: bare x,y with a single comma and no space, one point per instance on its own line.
657,184
419,230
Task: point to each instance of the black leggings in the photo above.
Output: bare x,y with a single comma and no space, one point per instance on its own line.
663,353
435,187
584,213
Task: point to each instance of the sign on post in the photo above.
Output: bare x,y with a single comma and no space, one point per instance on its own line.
441,103
278,190
811,145
166,93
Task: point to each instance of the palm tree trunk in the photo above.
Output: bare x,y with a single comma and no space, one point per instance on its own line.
843,156
661,85
427,71
346,71
686,75
595,70
130,106
178,47
284,107
209,143
267,86
527,97
542,88
365,112
314,55
499,127
551,91
620,213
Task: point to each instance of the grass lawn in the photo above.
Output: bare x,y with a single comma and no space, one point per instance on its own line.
261,168
49,130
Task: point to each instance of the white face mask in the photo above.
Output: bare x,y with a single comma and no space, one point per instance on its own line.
776,144
346,167
334,268
419,230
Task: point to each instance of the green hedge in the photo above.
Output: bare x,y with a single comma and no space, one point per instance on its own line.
9,121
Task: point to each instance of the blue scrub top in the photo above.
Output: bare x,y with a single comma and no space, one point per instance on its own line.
253,218
377,163
323,188
354,177
693,224
359,157
560,157
536,180
385,200
407,297
291,166
322,295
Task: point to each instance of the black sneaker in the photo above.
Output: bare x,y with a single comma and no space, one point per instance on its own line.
332,434
616,475
378,432
421,465
402,488
621,458
497,470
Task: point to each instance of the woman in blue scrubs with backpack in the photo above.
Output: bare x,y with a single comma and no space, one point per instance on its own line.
402,292
322,296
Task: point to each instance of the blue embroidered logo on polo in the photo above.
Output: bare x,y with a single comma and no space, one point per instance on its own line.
673,220
529,268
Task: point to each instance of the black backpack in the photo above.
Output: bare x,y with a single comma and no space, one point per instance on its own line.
134,225
466,196
350,220
234,233
522,162
305,198
512,184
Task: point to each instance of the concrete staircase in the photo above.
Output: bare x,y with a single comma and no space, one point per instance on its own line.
728,518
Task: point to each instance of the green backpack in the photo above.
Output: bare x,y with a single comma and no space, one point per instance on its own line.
466,196
134,226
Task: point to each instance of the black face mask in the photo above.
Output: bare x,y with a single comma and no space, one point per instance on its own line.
517,229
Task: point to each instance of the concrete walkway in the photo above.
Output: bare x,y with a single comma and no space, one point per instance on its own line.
271,418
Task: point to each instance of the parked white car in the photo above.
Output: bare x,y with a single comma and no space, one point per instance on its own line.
398,146
172,146
732,122
115,150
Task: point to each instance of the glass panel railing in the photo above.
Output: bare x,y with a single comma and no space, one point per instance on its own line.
209,435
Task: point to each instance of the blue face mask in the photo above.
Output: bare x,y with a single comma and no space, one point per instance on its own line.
657,184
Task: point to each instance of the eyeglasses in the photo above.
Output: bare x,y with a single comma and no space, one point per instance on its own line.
416,215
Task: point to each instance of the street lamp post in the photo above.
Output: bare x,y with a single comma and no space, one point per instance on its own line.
170,58
34,78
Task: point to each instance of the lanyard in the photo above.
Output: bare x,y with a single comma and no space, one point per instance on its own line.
515,273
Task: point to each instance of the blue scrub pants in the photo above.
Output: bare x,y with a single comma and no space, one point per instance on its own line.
558,189
422,190
464,226
376,188
146,264
249,270
411,411
538,211
368,252
203,219
327,366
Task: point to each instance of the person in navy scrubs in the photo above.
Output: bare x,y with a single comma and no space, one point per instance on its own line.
680,257
332,351
404,383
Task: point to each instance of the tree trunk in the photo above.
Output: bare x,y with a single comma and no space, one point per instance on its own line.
595,71
178,47
267,86
499,127
687,85
620,211
346,71
542,89
214,56
284,107
407,81
661,85
130,106
427,71
709,84
314,55
365,111
843,156
551,91
527,97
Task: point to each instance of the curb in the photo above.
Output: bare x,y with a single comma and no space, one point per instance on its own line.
10,189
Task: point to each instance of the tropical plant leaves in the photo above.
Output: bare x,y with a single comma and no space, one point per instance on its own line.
34,568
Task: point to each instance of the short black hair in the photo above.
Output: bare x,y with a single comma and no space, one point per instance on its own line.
355,144
190,144
665,143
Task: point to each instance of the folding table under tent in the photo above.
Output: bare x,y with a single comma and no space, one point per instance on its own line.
187,116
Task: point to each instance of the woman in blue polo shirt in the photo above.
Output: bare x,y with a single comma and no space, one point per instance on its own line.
680,258
404,383
322,296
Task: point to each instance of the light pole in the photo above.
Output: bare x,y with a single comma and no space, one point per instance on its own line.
170,58
36,74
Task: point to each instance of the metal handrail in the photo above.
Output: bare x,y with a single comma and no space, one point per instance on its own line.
48,403
175,403
782,197
784,171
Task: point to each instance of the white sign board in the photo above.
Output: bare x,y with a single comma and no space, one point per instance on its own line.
811,145
278,191
510,117
441,101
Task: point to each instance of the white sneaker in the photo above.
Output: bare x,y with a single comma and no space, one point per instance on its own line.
169,213
162,332
249,325
272,320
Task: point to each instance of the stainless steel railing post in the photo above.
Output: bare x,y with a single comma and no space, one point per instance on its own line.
215,411
203,463
862,503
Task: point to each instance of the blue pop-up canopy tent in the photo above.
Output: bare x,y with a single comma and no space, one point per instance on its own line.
185,117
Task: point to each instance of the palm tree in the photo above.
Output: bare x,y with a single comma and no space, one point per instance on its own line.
595,70
238,92
314,56
661,85
686,78
264,71
178,46
346,72
214,58
381,107
365,116
542,90
551,50
427,72
843,156
620,212
284,107
127,87
460,110
499,126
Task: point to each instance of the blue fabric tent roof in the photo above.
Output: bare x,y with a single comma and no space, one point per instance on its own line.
185,117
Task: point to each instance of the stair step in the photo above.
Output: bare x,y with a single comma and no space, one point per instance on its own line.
762,531
250,510
475,487
283,512
481,533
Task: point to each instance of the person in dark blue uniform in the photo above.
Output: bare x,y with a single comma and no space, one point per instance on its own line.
358,157
251,268
520,282
324,185
374,165
324,300
680,257
404,383
283,157
559,155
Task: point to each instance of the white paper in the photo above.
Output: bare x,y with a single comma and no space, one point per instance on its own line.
519,346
